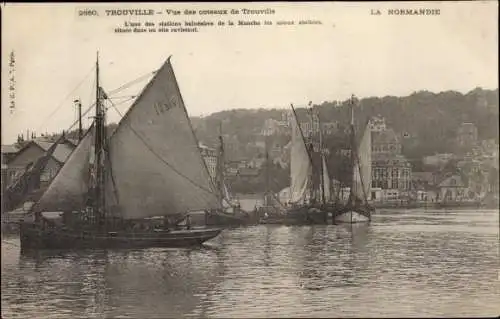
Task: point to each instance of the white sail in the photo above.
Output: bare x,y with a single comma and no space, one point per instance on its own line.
300,166
227,195
326,181
362,167
69,188
156,167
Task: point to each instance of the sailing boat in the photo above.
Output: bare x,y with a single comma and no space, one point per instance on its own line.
272,211
306,186
231,214
357,208
111,188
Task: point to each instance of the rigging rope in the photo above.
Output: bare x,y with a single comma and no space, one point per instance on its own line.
128,84
119,89
64,100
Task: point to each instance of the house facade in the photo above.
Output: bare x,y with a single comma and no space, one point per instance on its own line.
210,157
391,172
31,152
8,153
451,188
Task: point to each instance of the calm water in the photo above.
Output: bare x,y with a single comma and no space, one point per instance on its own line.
412,263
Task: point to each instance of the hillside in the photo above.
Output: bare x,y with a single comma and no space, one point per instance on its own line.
430,120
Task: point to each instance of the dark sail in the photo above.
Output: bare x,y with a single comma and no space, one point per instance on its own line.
19,191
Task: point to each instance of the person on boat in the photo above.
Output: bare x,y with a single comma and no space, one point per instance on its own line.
188,221
66,217
166,224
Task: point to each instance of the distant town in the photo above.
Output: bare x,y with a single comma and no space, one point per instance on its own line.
420,152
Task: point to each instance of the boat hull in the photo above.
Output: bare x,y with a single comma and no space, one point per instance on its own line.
226,219
35,236
351,217
305,215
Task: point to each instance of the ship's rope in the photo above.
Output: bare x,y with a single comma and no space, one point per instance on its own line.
129,84
62,103
117,90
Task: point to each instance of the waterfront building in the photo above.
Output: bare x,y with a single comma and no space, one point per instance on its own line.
377,124
451,188
8,152
391,171
32,151
385,142
210,157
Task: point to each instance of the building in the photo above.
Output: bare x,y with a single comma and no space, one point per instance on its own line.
273,127
32,151
391,171
210,157
467,135
8,152
422,180
385,142
377,124
329,128
451,188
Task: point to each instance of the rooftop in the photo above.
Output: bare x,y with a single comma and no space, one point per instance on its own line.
61,153
9,149
384,137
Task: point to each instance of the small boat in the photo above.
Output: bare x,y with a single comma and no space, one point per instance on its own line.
307,187
231,213
357,208
110,187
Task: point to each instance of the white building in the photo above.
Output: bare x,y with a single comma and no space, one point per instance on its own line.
377,124
210,157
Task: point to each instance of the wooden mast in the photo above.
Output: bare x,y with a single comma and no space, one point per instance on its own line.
78,103
268,192
80,128
312,189
220,167
98,149
322,177
353,157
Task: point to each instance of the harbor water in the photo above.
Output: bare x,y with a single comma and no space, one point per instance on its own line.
418,263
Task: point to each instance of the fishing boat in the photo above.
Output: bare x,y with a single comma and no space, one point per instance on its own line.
272,210
128,189
231,214
357,207
307,188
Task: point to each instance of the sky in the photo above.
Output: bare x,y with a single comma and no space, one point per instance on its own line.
220,68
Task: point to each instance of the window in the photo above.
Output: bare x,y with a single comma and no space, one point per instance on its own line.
394,184
46,175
